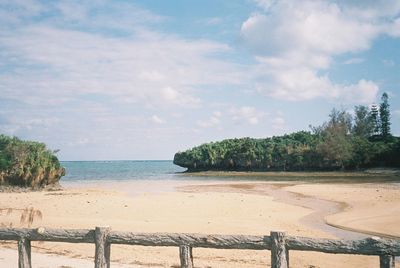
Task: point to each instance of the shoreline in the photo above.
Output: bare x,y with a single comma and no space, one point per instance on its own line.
370,172
364,232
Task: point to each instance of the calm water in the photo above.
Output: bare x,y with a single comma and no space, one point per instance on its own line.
102,171
89,171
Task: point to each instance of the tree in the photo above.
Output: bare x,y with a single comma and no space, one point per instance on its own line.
336,147
363,122
384,114
375,119
341,119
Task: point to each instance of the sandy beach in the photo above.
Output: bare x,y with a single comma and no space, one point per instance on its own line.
211,207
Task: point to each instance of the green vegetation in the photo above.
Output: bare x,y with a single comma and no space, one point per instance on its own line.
27,163
384,114
343,142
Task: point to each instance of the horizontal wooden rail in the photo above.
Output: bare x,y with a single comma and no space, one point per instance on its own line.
193,240
367,246
277,242
47,234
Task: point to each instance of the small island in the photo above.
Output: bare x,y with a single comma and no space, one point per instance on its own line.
344,142
28,164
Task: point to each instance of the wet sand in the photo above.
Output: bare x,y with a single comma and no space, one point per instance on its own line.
370,208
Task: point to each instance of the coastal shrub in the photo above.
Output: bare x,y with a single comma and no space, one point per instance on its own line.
296,151
300,151
27,163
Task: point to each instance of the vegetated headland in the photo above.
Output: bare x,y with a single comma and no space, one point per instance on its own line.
28,164
344,142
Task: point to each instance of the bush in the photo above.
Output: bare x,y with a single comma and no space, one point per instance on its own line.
27,163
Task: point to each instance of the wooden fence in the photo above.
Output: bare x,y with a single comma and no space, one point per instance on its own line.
277,242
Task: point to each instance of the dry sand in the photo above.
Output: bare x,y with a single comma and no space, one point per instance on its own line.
199,207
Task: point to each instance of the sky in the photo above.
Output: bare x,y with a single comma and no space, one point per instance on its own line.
113,80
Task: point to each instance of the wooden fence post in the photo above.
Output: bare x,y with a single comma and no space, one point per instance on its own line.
279,252
24,253
386,261
186,256
102,255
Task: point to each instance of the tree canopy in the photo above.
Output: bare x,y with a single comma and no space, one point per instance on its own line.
384,114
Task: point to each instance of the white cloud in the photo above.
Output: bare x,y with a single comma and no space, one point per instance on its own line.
80,142
113,121
371,9
42,122
151,75
354,61
173,96
316,26
68,49
21,9
100,16
213,121
72,63
299,84
278,123
363,92
294,43
394,28
14,123
247,114
294,84
217,113
294,59
157,120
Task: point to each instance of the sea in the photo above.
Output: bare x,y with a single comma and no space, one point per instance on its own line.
125,170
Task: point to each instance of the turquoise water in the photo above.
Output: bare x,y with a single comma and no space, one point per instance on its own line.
89,171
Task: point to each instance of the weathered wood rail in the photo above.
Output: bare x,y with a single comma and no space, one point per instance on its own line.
277,242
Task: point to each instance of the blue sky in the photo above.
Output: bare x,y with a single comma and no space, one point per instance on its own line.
143,79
